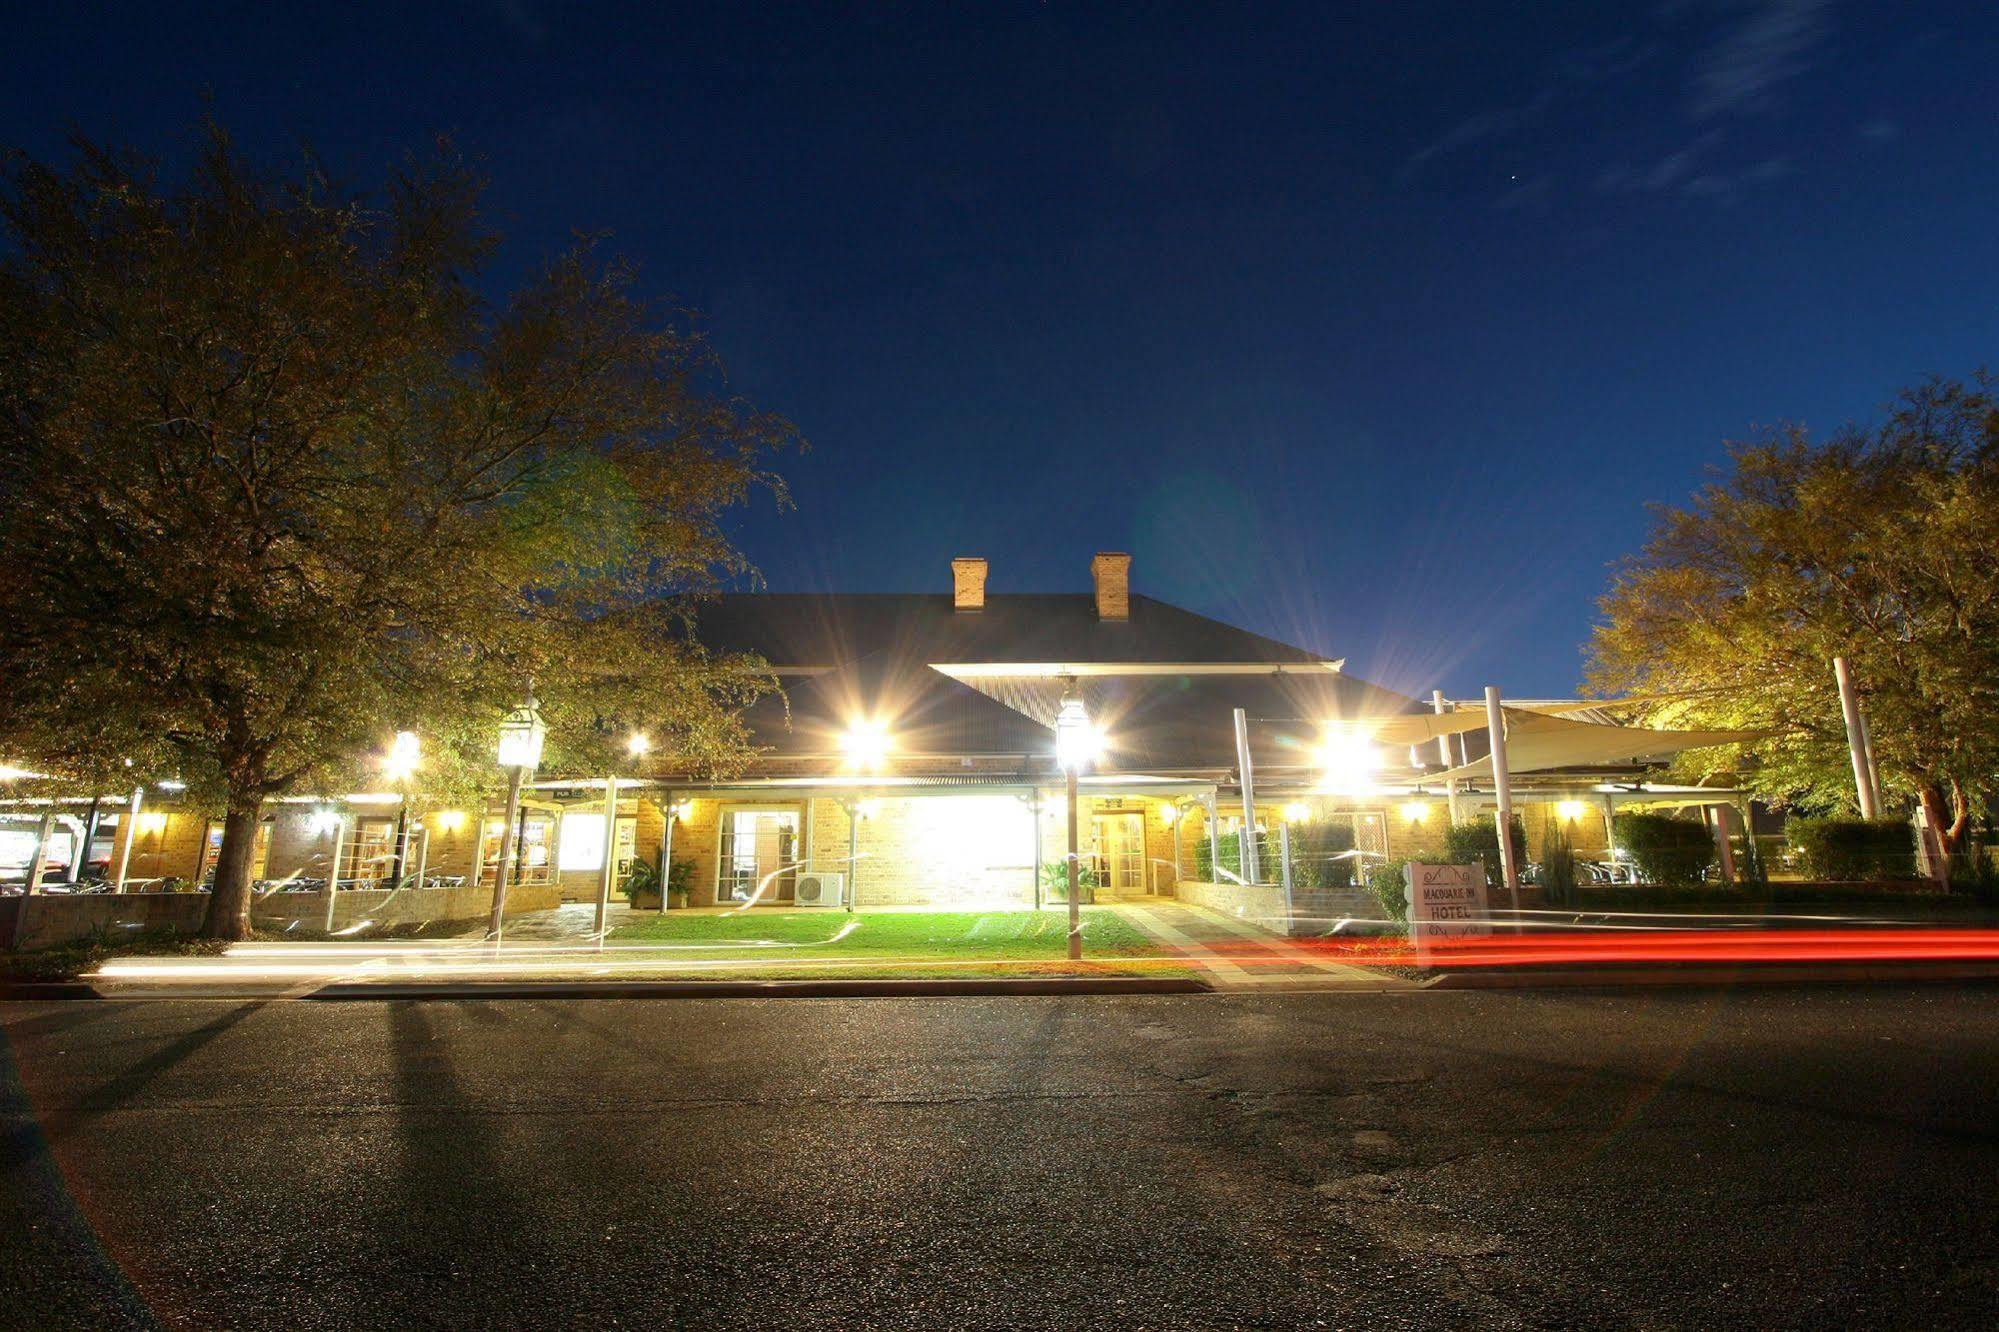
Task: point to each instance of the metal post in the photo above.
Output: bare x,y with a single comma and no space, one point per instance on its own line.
665,852
1075,879
1438,706
79,858
1610,833
1502,791
1214,839
610,873
1179,817
422,853
853,851
1723,845
333,869
1247,842
130,830
1034,817
509,848
1284,853
40,859
1856,740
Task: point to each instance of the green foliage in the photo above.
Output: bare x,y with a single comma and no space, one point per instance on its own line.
1880,544
1055,881
1230,846
1853,849
1974,874
1750,869
1316,848
1388,881
1665,850
641,884
1558,868
278,479
1476,841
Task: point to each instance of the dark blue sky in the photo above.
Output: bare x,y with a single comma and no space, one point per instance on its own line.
1371,326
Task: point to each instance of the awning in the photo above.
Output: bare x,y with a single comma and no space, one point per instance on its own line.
1536,743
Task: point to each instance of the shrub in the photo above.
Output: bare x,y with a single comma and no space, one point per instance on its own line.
1055,881
1665,849
641,886
1853,849
1558,869
1315,848
1230,846
1750,871
1476,841
1974,873
1389,885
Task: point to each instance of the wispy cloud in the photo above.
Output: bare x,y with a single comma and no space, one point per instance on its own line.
1771,44
1493,123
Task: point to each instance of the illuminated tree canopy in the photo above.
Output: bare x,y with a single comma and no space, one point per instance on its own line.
277,479
1880,544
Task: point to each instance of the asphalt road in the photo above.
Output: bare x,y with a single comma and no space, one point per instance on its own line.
1767,1158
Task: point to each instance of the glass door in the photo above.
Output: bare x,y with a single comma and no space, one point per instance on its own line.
757,844
1120,842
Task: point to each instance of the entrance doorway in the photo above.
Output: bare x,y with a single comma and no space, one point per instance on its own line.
756,843
1120,857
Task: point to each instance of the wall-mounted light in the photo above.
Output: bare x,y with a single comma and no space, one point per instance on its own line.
866,745
153,823
682,810
448,820
1169,813
1569,811
323,821
1297,812
1416,811
1349,762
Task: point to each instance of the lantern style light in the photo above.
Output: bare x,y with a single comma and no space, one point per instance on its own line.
1297,812
1570,811
1075,740
1416,811
639,745
521,737
405,756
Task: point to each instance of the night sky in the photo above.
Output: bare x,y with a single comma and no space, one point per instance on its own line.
1371,326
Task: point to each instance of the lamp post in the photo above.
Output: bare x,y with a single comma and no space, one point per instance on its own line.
521,737
637,746
1073,747
404,757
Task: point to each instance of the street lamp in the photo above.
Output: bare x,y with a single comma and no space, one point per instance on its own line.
1075,745
403,757
521,737
637,744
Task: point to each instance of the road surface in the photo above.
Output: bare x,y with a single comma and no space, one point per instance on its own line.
1769,1158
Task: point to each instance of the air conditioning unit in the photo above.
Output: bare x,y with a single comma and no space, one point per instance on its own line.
820,890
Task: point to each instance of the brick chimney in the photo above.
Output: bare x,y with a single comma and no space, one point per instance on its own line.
1112,573
968,583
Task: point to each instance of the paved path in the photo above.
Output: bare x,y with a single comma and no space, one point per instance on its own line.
1233,955
1760,1159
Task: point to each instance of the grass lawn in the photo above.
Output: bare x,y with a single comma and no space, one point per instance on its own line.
903,943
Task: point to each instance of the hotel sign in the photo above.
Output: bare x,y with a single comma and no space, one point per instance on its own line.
1446,902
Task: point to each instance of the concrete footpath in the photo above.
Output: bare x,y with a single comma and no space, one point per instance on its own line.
1233,955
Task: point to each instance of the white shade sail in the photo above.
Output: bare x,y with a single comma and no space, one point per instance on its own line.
1536,742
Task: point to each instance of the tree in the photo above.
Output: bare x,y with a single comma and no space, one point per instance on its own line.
1880,544
276,481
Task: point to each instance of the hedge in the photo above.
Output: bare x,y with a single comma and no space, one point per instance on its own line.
1476,841
1854,849
1314,848
1230,846
1666,850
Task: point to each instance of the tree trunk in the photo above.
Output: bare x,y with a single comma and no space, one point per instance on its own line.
229,902
1950,817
